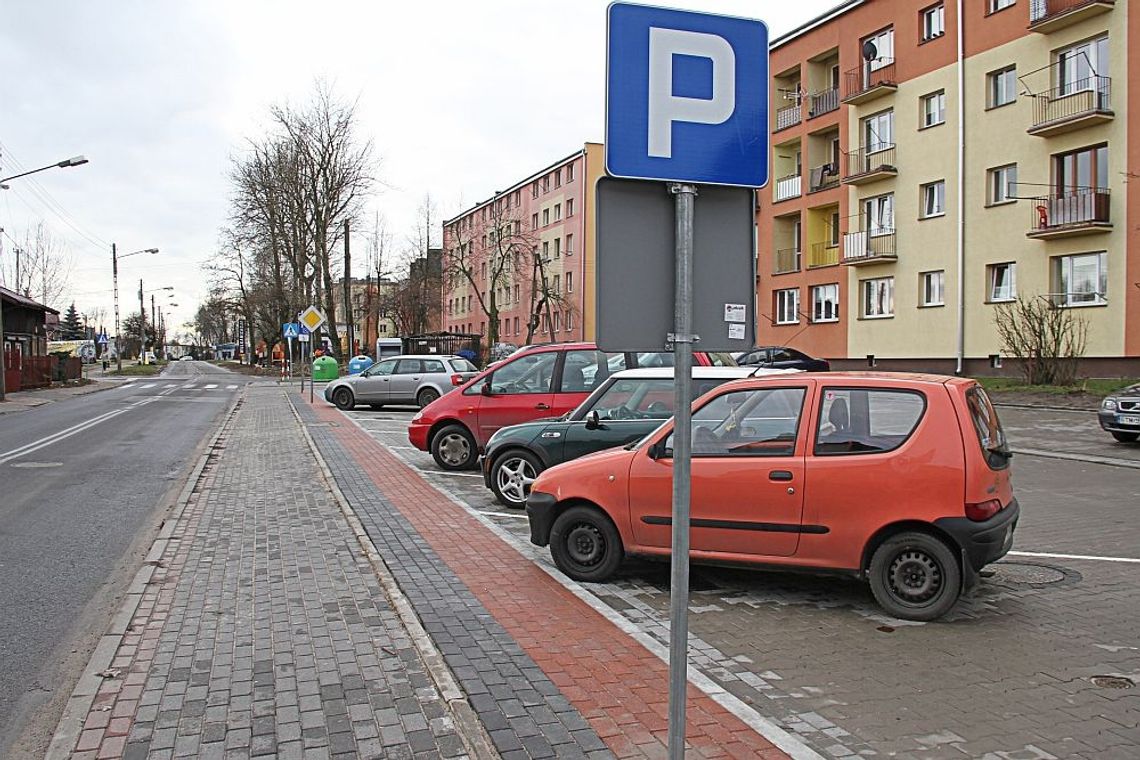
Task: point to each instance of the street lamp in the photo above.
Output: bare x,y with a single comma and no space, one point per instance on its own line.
115,273
66,163
142,316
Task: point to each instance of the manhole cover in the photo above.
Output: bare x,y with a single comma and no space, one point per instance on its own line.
1034,575
36,465
1113,682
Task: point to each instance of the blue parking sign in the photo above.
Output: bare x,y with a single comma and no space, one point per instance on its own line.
686,96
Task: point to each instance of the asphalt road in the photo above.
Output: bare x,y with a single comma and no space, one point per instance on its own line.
82,484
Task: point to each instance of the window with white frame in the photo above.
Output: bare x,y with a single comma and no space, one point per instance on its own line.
879,215
569,281
1001,281
534,220
933,109
933,286
545,216
879,131
557,247
825,303
1079,66
934,199
569,172
933,22
569,207
884,45
545,249
557,283
516,293
997,5
877,298
569,244
557,321
569,320
1080,280
557,212
1001,87
1001,182
788,306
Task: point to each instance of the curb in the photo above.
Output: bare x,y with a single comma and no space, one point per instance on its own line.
78,705
1132,464
1044,407
475,736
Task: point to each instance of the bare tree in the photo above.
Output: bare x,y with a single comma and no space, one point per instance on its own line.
39,267
1047,339
545,296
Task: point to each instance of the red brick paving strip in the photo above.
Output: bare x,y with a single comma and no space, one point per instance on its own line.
617,684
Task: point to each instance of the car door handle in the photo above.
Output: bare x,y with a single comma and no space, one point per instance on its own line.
542,407
780,475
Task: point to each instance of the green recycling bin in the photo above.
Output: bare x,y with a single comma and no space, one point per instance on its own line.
325,368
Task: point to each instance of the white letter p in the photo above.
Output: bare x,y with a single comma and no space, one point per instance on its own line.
666,108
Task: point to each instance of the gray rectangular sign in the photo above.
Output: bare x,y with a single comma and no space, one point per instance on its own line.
636,269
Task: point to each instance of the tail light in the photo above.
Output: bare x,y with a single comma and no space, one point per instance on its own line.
457,380
983,511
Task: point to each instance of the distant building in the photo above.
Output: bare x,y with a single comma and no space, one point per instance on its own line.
370,318
25,328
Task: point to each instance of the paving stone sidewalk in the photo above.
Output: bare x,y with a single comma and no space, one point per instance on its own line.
264,630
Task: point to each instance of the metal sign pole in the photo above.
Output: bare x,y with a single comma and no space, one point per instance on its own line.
289,359
682,457
312,375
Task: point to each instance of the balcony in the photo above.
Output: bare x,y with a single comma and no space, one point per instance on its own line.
871,80
787,261
870,164
1069,214
1047,16
823,255
1075,105
788,187
823,177
869,247
789,116
824,101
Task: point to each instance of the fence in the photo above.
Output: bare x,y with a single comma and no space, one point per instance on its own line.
1071,209
1074,99
874,158
823,101
877,73
787,260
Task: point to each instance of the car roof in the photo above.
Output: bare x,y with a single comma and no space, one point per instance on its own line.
701,373
423,356
893,378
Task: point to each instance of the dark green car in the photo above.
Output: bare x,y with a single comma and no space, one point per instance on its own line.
626,407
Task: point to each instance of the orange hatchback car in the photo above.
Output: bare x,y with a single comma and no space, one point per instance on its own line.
899,479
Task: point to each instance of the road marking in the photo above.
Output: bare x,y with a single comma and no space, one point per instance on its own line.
211,386
148,385
1051,555
231,387
59,436
172,385
189,386
128,385
515,515
449,474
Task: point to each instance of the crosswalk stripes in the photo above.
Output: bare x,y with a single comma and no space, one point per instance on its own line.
190,386
172,385
231,387
211,386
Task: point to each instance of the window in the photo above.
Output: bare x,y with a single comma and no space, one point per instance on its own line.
878,298
787,306
527,374
1078,67
825,303
997,5
1081,171
754,423
383,368
933,22
483,270
1001,282
1001,182
557,212
546,184
557,247
569,175
558,178
884,45
534,220
833,230
933,109
933,288
545,216
569,321
1080,280
434,365
557,321
557,283
866,420
545,249
516,323
1001,87
934,199
879,131
569,283
569,244
516,293
879,215
569,207
534,189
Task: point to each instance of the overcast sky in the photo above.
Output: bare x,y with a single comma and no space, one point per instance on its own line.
459,98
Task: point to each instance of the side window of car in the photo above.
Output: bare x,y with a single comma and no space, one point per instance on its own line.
526,374
409,367
782,355
383,368
433,365
762,422
866,420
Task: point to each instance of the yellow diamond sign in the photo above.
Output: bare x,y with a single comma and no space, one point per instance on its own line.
312,318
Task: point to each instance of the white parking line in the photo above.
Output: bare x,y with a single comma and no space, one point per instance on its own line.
516,515
1093,557
211,386
148,385
449,474
129,385
189,386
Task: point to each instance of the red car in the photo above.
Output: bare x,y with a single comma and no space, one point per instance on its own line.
537,381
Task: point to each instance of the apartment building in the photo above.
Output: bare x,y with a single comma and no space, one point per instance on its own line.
526,253
923,175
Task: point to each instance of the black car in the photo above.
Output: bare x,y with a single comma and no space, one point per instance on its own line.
1120,414
782,357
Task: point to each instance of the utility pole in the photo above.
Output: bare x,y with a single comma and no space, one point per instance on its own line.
118,335
142,323
347,291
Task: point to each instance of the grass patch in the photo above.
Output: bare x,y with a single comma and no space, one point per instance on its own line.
140,370
1088,387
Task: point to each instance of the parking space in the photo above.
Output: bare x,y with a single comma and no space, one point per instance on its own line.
1035,663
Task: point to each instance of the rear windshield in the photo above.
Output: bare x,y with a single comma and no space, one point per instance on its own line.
462,365
991,436
720,359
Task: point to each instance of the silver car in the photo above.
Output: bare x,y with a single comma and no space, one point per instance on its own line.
407,379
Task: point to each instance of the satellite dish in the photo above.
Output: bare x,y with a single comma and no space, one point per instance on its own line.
870,52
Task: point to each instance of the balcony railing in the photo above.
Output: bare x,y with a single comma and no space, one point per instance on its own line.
1072,105
868,246
823,254
823,177
788,116
1050,15
788,187
869,80
1076,212
787,260
823,102
870,163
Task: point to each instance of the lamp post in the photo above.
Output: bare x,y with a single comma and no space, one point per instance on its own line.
142,318
115,273
66,163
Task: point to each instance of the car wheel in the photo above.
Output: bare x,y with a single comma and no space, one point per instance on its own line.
585,544
426,396
1126,437
343,399
511,476
915,576
453,448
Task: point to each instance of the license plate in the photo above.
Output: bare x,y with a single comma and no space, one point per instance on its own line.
1128,419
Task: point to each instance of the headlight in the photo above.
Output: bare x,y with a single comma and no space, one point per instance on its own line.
1108,404
418,417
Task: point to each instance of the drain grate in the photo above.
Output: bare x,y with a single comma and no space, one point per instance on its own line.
1113,682
1030,574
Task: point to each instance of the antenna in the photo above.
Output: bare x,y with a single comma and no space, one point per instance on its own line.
870,51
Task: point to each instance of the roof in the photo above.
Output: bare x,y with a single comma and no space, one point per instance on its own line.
700,373
819,20
14,297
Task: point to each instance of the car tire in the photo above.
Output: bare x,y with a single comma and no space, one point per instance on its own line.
343,399
915,576
585,544
1126,437
511,476
426,396
453,448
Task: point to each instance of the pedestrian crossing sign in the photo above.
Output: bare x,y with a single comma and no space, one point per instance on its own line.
290,330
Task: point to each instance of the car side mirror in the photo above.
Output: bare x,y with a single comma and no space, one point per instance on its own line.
485,389
662,449
593,420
